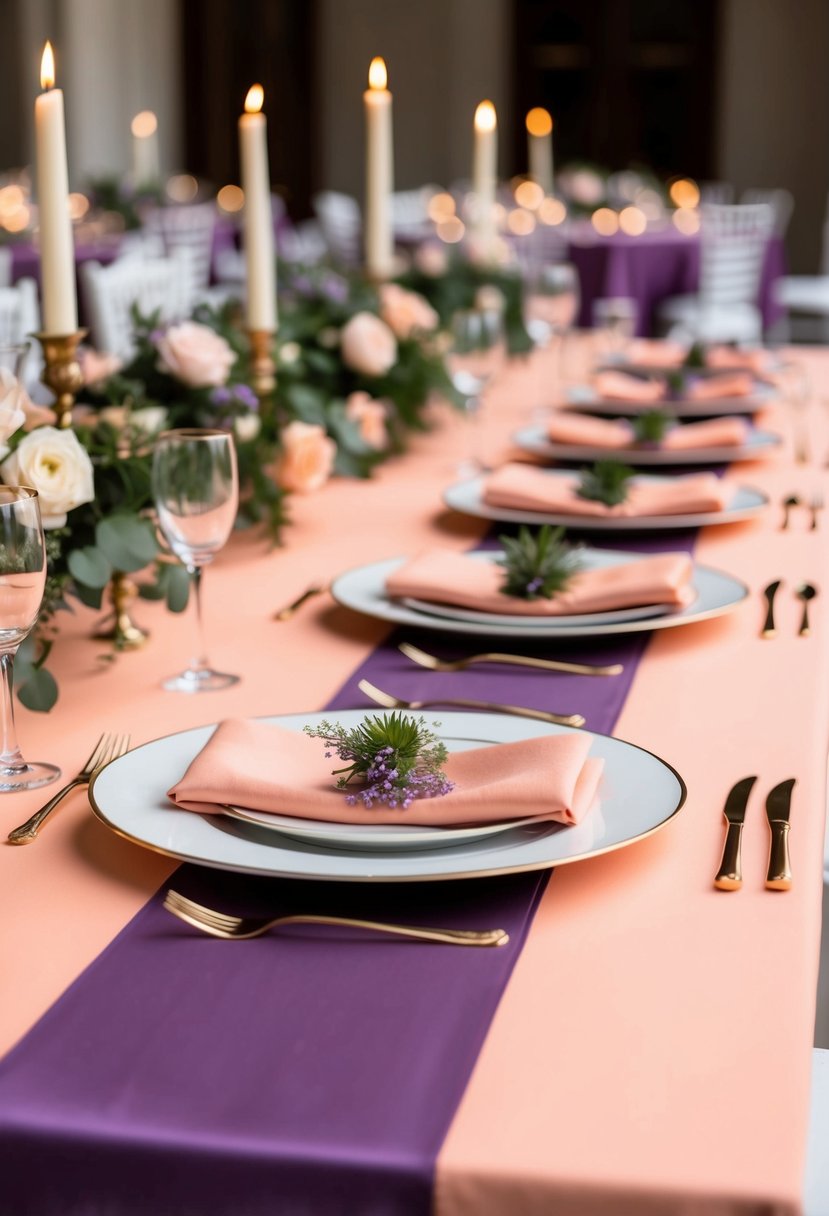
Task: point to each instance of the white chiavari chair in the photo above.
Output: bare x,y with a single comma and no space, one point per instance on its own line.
153,284
340,220
19,319
189,227
781,202
733,241
806,296
5,266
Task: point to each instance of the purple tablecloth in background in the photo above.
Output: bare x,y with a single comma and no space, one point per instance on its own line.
652,267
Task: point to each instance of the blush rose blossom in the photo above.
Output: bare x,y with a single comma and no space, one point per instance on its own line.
405,312
196,355
368,345
369,416
307,458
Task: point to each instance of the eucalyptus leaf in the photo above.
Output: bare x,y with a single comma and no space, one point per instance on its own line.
127,542
89,566
39,691
178,588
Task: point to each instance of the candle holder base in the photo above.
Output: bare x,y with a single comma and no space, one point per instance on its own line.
62,371
262,362
119,627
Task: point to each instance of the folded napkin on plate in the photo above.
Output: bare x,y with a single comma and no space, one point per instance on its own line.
521,487
619,386
265,768
655,352
715,388
440,576
735,358
564,427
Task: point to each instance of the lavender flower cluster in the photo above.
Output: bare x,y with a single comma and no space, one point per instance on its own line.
387,787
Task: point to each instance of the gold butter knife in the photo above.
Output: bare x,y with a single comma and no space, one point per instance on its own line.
778,805
730,876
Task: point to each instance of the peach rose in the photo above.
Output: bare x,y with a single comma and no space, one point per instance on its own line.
196,355
368,345
97,365
431,259
406,312
307,458
369,415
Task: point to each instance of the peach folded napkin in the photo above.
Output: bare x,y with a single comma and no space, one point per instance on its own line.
575,429
715,388
564,427
521,487
441,576
655,352
619,386
712,433
265,768
734,358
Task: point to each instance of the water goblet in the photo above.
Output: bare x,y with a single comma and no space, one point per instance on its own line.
475,355
22,580
196,491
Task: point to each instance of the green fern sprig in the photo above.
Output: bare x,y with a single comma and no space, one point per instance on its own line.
651,426
537,564
607,482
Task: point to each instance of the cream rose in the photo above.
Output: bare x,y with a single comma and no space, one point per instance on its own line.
196,355
148,420
14,404
405,312
52,462
369,416
368,345
307,458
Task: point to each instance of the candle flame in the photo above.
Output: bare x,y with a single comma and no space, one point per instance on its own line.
485,117
377,74
47,67
144,124
255,99
539,121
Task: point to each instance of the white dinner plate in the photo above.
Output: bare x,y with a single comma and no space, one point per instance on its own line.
367,837
467,496
584,397
758,446
585,618
364,590
639,793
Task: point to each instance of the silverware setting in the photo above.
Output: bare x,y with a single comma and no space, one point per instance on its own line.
285,614
815,506
108,748
242,928
769,630
577,669
778,806
805,592
788,503
391,702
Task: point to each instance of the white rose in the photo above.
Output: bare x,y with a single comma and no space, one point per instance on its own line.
246,427
55,464
14,401
196,355
149,420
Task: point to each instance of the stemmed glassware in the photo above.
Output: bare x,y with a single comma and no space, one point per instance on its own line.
475,355
552,305
196,491
22,580
614,320
13,357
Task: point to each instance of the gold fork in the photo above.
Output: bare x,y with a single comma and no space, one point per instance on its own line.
817,504
108,748
520,711
285,614
576,669
219,924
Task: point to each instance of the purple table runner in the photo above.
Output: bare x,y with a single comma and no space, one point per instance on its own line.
304,1072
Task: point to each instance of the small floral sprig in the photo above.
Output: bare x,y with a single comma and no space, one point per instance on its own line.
695,359
652,426
397,758
607,482
676,381
537,564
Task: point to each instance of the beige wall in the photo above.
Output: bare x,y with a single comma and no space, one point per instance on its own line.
774,109
443,56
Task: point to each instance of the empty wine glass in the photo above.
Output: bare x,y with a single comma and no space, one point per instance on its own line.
13,357
475,354
615,319
22,579
552,301
196,491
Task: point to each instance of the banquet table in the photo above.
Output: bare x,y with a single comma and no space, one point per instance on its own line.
652,267
644,1043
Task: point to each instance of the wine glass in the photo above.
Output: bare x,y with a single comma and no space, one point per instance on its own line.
13,357
22,580
551,309
196,491
475,354
615,319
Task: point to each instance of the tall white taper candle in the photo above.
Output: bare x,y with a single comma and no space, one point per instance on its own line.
485,176
57,251
258,216
379,242
540,148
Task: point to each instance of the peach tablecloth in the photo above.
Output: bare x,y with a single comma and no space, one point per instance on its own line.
633,1062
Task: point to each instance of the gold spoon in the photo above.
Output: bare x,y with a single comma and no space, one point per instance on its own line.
804,593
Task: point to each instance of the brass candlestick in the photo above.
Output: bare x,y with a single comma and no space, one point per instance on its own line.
62,371
262,362
119,627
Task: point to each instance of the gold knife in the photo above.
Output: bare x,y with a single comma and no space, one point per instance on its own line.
778,805
729,876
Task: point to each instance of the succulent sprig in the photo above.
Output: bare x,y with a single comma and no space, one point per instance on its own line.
606,481
537,564
651,426
394,757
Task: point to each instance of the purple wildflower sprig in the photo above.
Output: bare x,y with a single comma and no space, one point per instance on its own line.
394,758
